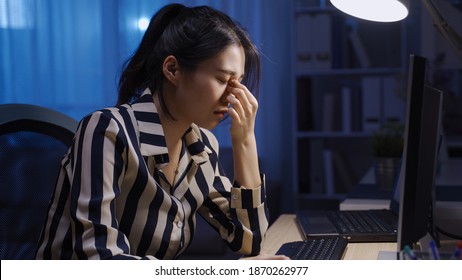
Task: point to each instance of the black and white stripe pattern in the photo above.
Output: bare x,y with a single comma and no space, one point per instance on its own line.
111,201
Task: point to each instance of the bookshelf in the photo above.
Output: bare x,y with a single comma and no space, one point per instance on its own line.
347,80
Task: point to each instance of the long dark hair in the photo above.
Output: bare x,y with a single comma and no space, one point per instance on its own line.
192,35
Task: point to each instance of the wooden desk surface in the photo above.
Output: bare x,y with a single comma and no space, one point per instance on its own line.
285,229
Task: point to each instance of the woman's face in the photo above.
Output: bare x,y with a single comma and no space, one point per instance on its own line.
201,95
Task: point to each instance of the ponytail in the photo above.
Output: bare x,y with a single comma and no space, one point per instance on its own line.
135,76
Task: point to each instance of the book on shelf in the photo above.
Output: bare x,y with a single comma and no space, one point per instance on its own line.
343,174
356,109
321,44
313,47
393,100
332,111
316,171
328,112
310,166
359,49
336,111
381,101
338,178
351,109
304,54
328,172
340,51
346,109
371,93
305,104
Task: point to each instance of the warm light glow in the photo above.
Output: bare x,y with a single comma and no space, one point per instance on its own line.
143,24
374,10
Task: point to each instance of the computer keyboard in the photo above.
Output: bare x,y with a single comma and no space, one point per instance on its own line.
314,249
357,221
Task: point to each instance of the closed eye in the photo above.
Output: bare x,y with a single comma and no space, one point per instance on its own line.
222,81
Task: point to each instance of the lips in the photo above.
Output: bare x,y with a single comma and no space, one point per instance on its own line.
220,113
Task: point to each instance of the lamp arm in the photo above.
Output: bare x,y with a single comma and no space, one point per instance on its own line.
443,27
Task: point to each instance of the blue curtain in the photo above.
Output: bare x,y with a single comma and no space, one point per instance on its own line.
59,54
67,55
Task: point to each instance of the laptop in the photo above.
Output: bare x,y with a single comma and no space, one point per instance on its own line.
379,225
382,225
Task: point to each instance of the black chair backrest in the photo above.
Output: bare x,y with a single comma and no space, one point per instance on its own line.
33,140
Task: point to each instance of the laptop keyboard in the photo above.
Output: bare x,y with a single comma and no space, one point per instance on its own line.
356,221
314,249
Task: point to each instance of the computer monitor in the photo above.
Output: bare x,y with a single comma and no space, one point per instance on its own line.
421,140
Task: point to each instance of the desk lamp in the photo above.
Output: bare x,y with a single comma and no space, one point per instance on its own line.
373,10
395,10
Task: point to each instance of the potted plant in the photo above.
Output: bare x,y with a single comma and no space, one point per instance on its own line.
387,147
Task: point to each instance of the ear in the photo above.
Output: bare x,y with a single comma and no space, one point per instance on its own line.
170,68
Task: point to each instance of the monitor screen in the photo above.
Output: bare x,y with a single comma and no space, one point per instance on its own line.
422,127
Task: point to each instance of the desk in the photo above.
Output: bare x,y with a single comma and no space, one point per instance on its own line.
285,229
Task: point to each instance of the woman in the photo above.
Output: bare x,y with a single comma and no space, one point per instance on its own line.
137,174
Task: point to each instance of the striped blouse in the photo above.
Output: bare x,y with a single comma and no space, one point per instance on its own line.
112,202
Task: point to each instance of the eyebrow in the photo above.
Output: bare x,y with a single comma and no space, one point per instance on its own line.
229,72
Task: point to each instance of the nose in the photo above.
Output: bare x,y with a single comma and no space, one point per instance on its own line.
223,97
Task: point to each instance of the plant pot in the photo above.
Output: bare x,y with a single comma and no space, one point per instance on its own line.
386,172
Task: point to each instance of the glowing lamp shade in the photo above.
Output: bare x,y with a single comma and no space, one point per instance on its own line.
374,10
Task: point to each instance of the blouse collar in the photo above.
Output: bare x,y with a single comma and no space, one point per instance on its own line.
152,137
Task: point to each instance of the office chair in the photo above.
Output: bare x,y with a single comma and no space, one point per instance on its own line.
33,140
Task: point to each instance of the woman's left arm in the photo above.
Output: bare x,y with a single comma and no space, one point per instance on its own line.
243,113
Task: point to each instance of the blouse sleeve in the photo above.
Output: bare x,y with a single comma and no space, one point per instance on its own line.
90,180
99,169
239,214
